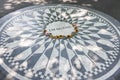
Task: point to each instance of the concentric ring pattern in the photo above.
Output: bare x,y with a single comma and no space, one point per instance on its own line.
90,54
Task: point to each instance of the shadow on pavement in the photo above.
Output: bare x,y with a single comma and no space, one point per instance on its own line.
110,7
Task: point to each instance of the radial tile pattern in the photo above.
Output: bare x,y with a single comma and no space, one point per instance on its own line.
80,44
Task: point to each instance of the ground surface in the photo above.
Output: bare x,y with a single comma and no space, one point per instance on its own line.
110,7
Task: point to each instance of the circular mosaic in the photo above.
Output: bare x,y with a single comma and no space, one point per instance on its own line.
59,43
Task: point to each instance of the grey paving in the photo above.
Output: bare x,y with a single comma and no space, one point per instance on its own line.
110,7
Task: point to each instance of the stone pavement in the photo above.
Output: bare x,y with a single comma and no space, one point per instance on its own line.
110,7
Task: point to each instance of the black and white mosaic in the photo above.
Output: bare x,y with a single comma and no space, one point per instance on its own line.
28,53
